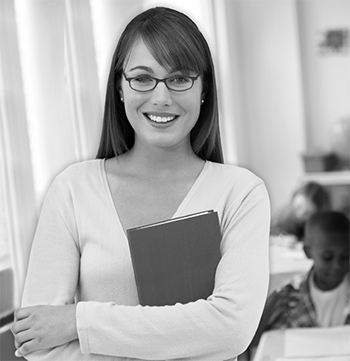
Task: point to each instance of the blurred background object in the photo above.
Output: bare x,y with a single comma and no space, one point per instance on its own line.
340,141
320,162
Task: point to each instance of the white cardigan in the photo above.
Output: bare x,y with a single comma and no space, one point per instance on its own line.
80,254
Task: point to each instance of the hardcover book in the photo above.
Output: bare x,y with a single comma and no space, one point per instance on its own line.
175,260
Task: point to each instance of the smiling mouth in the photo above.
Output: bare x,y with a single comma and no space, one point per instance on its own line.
160,120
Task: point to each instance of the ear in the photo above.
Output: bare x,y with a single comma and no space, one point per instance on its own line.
121,94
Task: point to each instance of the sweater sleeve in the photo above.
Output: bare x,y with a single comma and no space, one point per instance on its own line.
54,264
218,328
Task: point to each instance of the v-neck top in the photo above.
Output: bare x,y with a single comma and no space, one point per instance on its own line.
183,203
80,254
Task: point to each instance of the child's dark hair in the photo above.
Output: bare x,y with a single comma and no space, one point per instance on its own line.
328,222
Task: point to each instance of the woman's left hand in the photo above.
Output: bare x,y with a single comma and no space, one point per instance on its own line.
41,327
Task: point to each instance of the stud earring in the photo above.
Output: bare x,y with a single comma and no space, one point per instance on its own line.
122,99
202,101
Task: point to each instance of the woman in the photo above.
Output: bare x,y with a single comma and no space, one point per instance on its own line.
160,157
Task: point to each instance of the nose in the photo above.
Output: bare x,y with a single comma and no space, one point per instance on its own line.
161,95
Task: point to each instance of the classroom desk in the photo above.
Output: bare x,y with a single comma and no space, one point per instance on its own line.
305,344
287,258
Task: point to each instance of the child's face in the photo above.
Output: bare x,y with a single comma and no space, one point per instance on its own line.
331,259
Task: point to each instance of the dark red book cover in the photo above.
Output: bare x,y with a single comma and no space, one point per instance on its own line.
175,260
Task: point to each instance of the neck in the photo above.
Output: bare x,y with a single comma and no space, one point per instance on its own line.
159,163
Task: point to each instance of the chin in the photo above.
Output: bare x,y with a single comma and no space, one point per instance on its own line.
168,143
335,280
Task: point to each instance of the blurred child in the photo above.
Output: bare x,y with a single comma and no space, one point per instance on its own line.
321,297
307,199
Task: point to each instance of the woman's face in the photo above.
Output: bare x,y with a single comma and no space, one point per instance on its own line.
160,118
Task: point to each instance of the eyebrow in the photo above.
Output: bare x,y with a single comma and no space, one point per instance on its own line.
142,67
150,70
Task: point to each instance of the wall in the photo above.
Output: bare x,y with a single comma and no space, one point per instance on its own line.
267,92
284,94
326,76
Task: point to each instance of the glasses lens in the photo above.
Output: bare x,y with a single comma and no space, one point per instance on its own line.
179,83
142,83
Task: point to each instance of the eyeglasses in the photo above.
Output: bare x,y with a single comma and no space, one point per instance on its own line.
176,83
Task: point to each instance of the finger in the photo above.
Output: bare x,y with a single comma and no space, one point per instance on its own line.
19,326
22,338
18,354
22,313
26,348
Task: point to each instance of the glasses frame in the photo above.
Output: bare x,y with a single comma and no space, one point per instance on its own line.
193,79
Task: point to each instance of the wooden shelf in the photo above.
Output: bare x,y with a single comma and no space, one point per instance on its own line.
328,178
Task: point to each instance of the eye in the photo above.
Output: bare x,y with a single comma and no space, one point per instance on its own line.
327,258
144,79
179,80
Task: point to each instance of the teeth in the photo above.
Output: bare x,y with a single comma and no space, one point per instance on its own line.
158,119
